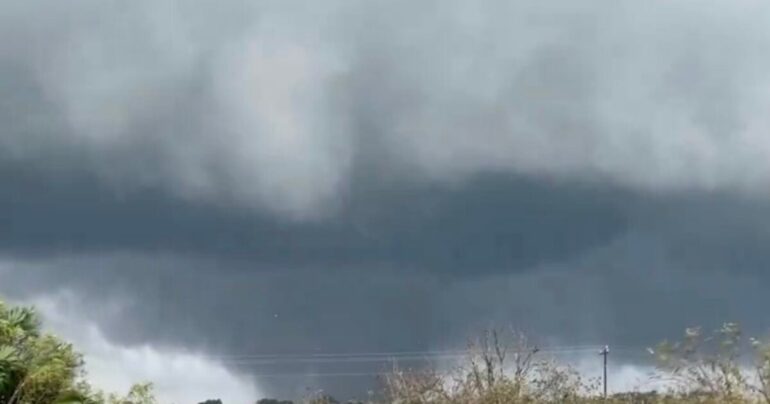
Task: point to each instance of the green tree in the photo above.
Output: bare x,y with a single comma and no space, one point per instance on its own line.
34,367
39,368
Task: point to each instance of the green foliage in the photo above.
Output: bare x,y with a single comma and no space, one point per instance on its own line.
39,368
34,368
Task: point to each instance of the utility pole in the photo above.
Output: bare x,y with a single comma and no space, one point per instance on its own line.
605,352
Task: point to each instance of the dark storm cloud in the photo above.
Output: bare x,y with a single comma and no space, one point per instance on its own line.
632,291
299,177
494,224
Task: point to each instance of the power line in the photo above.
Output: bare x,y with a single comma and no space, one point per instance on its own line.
355,356
374,357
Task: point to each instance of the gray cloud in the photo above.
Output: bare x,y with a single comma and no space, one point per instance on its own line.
276,105
496,224
286,176
630,292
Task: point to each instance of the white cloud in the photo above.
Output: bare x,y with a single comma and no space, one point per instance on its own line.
178,376
285,141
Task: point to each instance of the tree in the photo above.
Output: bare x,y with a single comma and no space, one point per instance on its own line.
705,364
39,368
34,368
323,399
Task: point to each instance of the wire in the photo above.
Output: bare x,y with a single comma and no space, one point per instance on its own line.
374,357
396,354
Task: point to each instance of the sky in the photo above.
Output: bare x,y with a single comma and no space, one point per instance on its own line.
192,181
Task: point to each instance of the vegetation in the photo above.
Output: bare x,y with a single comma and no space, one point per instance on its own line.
699,369
504,368
39,368
501,368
